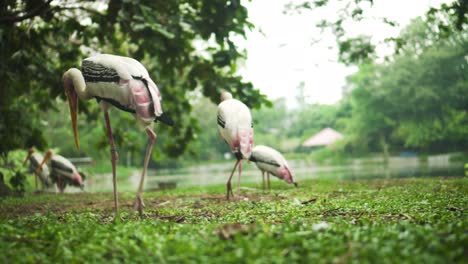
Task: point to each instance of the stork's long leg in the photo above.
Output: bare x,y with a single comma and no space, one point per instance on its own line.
35,180
151,139
114,158
239,177
268,176
61,184
228,184
263,180
43,183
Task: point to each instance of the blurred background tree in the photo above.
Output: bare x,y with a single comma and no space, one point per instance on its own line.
414,99
417,99
185,45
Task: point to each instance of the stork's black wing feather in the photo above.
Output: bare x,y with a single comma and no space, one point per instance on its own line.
262,159
116,104
61,166
221,121
95,72
165,118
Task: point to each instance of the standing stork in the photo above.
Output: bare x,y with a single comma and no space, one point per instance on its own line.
35,159
235,127
271,161
124,83
62,171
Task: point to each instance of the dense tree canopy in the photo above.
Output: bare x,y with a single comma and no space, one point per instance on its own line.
417,99
186,46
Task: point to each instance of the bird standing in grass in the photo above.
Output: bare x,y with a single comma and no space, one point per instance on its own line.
35,159
271,161
124,83
235,127
62,171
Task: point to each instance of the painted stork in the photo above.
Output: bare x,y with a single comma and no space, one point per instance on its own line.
35,159
236,128
62,171
124,83
271,161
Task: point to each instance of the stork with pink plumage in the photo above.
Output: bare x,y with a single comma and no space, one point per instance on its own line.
236,128
124,83
270,161
62,171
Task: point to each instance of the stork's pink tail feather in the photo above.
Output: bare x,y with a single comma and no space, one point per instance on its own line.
156,95
245,136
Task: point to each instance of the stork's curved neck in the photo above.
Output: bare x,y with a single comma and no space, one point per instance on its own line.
75,80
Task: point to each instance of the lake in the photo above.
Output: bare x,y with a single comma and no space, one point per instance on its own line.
397,167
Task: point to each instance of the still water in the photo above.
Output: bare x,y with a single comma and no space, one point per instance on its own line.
398,167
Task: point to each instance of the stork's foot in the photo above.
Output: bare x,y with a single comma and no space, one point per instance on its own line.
229,192
139,205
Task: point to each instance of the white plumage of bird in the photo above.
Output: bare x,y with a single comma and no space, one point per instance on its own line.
35,159
271,161
124,83
235,127
62,171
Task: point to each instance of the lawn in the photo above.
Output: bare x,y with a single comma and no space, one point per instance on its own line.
411,220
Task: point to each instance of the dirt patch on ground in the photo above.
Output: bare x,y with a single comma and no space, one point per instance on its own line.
103,203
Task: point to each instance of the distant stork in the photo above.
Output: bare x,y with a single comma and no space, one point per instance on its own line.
62,171
124,83
271,161
235,127
35,159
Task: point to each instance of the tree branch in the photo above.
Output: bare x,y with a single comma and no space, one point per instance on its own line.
35,12
82,8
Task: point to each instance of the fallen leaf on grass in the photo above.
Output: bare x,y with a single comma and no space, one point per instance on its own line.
175,218
228,231
163,203
320,226
313,200
297,202
454,209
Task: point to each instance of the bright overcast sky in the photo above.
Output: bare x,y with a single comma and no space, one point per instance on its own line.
282,55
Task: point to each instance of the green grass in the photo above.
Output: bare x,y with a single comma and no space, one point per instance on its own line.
105,166
365,221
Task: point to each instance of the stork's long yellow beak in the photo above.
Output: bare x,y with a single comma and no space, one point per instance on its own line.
73,104
47,156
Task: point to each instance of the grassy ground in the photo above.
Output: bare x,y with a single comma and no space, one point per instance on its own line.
377,221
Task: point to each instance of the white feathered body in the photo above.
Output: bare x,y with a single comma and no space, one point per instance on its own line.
235,126
63,168
119,81
270,160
